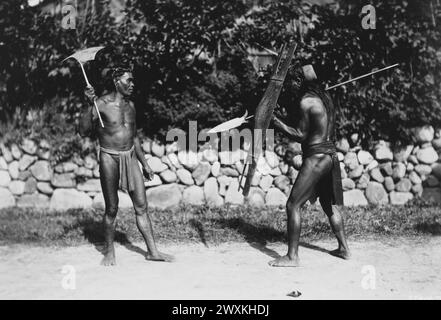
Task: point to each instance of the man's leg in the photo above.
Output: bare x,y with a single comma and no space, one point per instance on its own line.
336,222
143,220
312,170
109,176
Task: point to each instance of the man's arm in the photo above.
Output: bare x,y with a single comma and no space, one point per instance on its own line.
89,116
139,152
296,134
299,133
148,172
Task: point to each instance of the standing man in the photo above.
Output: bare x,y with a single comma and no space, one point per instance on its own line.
313,119
120,151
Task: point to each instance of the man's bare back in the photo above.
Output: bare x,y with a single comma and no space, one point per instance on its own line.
310,122
312,118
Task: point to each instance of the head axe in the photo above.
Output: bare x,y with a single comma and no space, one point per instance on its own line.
82,57
231,124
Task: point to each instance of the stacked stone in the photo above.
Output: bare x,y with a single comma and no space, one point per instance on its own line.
210,177
27,178
428,155
385,176
381,176
24,171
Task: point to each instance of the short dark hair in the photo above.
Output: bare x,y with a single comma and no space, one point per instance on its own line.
118,71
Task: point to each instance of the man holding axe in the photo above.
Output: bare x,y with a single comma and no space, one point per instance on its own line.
120,151
312,117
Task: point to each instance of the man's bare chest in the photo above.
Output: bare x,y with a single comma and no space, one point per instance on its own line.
118,114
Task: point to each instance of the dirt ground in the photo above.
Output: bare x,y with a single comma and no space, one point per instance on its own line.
379,269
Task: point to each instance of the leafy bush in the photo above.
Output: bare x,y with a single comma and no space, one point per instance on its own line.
389,104
190,61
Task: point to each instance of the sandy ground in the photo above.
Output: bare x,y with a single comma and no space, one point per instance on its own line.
380,269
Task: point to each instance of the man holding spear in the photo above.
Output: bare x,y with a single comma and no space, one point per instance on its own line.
120,151
313,119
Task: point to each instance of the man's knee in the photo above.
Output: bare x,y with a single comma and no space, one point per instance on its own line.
140,208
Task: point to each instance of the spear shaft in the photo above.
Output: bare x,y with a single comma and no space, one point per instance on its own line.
361,77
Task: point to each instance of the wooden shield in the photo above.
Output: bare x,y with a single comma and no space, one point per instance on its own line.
264,112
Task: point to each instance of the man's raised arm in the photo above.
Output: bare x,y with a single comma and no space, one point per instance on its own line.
296,134
89,116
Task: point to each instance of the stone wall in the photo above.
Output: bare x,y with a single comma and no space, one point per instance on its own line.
379,176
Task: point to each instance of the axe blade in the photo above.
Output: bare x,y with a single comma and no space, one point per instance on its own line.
85,55
230,124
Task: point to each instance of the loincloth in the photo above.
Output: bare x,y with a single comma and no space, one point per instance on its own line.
332,180
126,174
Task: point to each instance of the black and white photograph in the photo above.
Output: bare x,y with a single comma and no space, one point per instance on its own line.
230,152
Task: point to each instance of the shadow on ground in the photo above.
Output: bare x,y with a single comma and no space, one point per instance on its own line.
94,233
433,228
197,225
257,236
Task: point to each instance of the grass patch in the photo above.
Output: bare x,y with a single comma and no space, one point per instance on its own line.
214,226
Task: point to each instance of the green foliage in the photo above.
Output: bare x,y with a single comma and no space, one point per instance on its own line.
190,62
386,105
40,96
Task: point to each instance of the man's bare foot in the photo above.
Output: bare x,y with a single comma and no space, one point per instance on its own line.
109,259
341,253
285,261
160,257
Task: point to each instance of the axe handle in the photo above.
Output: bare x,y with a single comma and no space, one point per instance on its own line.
243,174
98,112
94,102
